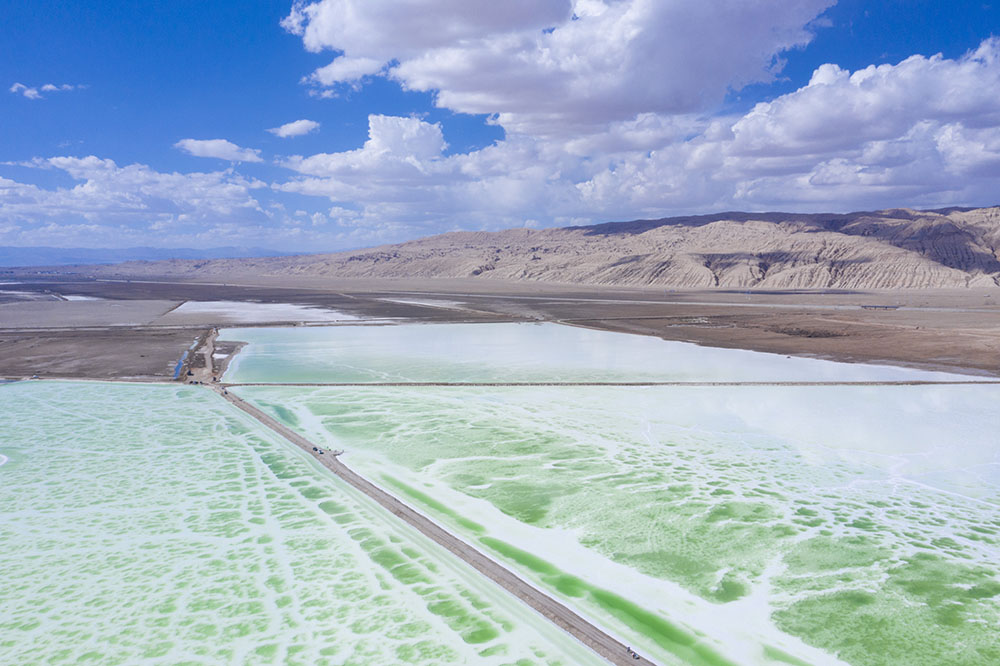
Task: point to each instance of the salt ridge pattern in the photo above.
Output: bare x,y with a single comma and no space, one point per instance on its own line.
157,525
836,518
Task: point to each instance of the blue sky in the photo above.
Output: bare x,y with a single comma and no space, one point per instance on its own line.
127,123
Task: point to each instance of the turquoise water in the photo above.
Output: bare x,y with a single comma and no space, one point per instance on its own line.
514,352
180,364
159,525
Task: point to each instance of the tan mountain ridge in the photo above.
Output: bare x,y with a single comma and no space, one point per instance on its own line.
898,248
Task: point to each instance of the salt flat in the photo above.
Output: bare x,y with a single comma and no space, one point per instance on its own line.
77,297
235,312
157,524
15,295
40,313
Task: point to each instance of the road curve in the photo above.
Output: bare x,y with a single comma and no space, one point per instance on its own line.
597,640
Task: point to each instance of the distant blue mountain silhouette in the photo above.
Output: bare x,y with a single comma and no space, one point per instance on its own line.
63,256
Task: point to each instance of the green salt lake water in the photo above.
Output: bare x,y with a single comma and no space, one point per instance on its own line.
705,525
782,518
145,524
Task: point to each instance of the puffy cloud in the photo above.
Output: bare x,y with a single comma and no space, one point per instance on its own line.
218,148
401,177
607,107
36,92
294,128
922,132
867,139
112,205
345,69
839,109
395,148
558,67
386,29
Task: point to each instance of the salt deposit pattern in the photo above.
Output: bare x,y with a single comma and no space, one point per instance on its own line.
756,522
159,525
706,525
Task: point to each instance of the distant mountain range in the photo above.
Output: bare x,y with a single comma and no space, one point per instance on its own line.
62,256
887,249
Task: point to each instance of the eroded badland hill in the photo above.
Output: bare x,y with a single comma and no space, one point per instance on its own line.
899,248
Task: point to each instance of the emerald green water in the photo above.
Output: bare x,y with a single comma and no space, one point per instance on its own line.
710,525
158,525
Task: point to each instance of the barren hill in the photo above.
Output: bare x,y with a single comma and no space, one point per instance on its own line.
899,248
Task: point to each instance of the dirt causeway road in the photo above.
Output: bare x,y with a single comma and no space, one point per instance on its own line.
597,640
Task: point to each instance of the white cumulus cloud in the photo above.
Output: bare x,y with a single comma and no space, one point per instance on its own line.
218,148
839,109
112,205
402,175
32,92
345,69
385,29
610,110
294,128
395,146
846,141
558,67
925,131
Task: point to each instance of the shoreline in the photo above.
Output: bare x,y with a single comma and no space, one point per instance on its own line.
835,357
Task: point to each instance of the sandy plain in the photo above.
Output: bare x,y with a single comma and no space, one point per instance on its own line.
136,330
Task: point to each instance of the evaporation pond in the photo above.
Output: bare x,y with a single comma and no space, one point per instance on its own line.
515,352
157,524
708,525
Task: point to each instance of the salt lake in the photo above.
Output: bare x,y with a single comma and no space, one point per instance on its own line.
766,524
541,352
705,525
